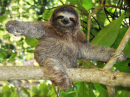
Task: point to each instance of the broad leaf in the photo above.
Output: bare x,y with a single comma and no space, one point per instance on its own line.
123,66
120,36
103,93
87,4
98,87
83,89
108,35
101,16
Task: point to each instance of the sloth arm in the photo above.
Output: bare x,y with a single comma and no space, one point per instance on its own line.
92,52
28,29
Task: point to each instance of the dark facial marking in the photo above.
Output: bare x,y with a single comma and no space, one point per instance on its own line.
60,17
72,19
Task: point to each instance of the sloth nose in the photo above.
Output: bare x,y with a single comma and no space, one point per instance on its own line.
65,21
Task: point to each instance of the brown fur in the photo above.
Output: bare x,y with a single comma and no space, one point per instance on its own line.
59,46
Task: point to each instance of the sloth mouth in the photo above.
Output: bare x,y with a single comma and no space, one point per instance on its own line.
64,23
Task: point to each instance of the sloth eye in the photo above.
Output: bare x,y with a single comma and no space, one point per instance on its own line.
60,17
72,19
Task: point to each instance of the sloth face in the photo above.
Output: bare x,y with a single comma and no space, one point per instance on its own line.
65,19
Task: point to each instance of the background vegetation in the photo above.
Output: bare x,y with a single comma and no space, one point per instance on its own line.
111,22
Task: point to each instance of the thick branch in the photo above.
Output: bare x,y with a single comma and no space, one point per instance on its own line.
107,77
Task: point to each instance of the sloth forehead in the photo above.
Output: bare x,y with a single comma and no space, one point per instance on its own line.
66,14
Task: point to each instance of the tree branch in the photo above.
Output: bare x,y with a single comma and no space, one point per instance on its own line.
107,77
111,62
111,91
120,48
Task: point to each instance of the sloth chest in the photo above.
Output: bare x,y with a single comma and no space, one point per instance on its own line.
60,48
51,48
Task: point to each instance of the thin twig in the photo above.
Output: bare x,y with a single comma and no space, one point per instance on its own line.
89,19
89,27
62,2
113,6
55,91
95,11
97,23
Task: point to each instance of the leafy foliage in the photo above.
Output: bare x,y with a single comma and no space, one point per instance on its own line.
108,27
107,36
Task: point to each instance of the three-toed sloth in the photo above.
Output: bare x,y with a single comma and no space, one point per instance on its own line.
61,43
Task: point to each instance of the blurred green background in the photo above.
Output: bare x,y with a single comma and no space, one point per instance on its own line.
111,22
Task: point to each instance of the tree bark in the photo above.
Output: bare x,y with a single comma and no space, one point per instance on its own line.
106,77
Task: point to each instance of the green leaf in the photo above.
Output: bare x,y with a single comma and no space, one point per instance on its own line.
6,37
91,94
6,91
13,57
71,94
47,14
124,93
3,18
100,64
63,94
30,51
35,91
31,41
83,89
3,55
87,4
25,92
108,35
94,32
98,87
14,92
101,16
52,92
104,93
1,94
68,90
120,36
123,66
44,89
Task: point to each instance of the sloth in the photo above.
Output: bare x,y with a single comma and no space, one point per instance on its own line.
61,44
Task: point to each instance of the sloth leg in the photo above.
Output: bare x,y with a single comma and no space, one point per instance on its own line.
56,73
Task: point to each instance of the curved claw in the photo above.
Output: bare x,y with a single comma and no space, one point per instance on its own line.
120,57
